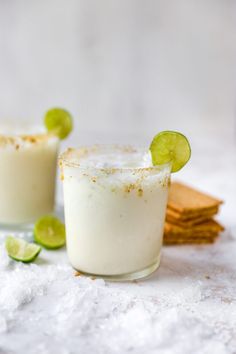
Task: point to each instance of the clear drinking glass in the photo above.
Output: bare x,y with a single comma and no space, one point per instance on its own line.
27,176
114,211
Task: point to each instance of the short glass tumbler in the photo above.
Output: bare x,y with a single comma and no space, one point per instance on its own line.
114,215
27,178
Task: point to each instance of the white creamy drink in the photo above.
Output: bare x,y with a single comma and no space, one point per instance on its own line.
27,175
115,204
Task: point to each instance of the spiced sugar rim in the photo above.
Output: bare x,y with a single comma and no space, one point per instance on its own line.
65,159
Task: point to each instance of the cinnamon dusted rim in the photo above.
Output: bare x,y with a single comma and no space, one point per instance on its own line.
72,158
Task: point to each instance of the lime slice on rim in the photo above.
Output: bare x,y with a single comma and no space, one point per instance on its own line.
170,146
20,250
59,121
49,232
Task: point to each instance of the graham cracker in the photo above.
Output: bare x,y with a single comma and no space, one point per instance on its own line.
187,200
205,228
197,234
195,217
169,240
187,223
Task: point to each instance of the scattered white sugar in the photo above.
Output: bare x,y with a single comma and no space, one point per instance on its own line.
61,313
20,286
3,324
4,259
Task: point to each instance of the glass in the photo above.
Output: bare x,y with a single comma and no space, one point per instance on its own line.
114,215
27,178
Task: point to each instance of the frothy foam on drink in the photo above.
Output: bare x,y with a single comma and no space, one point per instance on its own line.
117,159
113,165
13,136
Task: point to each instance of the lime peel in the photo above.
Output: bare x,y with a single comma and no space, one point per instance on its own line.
20,250
170,147
49,232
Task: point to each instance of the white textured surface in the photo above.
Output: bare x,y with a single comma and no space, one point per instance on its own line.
187,306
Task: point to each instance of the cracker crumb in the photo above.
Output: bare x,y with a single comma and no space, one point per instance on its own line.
140,192
77,274
129,187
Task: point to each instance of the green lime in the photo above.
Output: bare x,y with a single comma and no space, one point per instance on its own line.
49,232
59,121
20,250
170,146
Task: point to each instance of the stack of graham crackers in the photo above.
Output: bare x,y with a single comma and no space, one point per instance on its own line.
190,216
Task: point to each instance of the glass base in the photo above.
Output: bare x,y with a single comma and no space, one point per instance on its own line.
25,230
140,274
16,227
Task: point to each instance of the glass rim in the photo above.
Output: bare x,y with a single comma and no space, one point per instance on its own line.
65,158
31,138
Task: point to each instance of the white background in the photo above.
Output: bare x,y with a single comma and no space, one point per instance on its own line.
125,68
